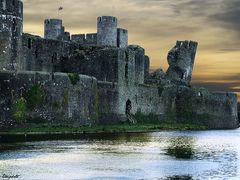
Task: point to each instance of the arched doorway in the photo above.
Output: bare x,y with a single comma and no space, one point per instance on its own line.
128,107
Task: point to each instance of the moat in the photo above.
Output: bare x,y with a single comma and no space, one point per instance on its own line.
163,155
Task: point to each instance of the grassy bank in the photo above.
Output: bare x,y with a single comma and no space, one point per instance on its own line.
128,128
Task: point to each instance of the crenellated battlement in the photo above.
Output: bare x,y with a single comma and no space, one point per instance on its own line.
53,22
90,39
187,44
107,19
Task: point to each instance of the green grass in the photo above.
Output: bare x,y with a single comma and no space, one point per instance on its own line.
104,129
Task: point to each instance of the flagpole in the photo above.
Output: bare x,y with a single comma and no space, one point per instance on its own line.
59,5
59,9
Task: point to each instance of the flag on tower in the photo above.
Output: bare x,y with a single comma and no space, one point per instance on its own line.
60,8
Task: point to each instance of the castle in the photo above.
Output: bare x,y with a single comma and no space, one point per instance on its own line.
108,33
98,78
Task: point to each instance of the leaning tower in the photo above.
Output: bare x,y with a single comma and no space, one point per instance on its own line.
11,23
107,31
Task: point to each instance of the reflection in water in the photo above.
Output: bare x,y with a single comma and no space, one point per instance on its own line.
181,147
197,155
179,178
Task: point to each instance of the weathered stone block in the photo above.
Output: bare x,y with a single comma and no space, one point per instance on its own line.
181,60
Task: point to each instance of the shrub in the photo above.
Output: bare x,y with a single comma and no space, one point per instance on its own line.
34,97
74,78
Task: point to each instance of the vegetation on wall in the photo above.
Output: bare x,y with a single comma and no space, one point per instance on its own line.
74,78
56,106
160,90
142,118
20,108
96,105
34,97
65,100
170,115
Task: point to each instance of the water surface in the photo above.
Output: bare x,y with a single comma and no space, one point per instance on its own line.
161,155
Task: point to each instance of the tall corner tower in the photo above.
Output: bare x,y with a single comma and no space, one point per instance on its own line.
11,25
53,29
107,31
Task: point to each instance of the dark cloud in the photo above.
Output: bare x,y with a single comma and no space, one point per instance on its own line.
228,50
230,83
219,86
228,16
222,13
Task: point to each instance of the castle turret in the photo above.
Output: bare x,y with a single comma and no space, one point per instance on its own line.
107,31
11,22
122,38
53,29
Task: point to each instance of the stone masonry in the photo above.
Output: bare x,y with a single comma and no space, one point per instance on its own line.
98,78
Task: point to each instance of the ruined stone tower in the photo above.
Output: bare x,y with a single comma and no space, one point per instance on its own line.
107,31
11,23
181,60
53,29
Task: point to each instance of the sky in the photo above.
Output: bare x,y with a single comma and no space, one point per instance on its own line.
156,25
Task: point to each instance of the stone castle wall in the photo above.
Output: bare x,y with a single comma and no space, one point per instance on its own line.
89,39
100,63
36,97
199,106
43,55
11,18
131,73
37,90
108,103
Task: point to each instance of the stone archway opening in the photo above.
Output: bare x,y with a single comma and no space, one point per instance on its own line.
182,76
128,107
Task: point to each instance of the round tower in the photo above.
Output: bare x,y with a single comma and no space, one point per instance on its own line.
11,22
53,28
107,31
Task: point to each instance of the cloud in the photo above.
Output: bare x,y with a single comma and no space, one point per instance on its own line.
228,16
219,86
156,25
221,13
229,83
